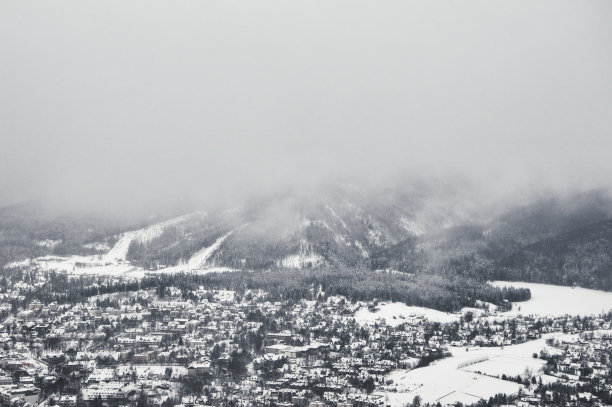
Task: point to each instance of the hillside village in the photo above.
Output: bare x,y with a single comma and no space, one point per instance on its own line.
205,347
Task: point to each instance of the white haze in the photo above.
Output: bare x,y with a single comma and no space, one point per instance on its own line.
117,104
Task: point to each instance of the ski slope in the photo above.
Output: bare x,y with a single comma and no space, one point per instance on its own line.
112,263
120,249
199,259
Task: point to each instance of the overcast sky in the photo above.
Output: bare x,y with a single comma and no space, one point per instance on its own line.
118,102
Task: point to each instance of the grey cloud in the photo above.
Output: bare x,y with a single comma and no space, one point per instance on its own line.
126,103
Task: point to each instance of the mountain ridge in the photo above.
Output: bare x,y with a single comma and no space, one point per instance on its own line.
412,232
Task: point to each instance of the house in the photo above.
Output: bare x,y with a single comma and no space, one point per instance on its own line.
198,369
67,401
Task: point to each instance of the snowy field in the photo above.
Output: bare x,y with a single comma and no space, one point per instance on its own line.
510,365
396,313
546,300
453,379
82,265
554,300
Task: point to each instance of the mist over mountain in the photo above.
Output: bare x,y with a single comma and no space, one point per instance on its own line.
429,228
154,107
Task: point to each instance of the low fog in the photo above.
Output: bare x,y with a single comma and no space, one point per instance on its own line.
121,105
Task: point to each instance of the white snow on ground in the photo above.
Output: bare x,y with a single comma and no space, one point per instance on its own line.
79,265
335,215
182,268
20,263
362,250
99,246
120,249
411,226
452,379
476,312
48,243
339,238
375,237
487,305
396,313
112,263
302,260
554,300
197,263
198,260
145,370
510,365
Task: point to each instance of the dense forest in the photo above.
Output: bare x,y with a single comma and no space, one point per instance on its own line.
566,242
580,257
177,243
29,230
432,291
561,240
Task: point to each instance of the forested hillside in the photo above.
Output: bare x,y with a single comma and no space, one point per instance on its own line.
580,257
552,241
29,230
341,225
563,239
436,292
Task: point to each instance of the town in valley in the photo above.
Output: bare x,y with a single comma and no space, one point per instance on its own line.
169,346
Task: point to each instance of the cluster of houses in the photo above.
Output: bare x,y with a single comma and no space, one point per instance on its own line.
582,370
221,348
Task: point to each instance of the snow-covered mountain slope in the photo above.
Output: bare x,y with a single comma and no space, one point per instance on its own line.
349,228
401,229
301,260
112,263
199,260
144,235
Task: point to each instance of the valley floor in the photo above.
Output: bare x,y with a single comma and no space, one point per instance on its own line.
470,373
554,300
